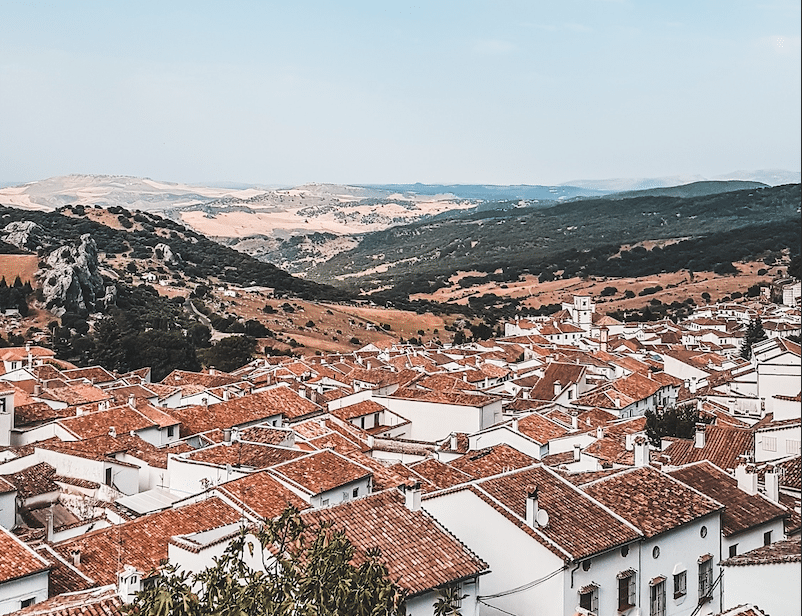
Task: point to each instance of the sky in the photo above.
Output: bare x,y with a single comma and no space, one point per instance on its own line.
475,92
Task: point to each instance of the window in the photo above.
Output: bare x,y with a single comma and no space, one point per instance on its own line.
3,405
767,538
324,502
703,532
733,550
355,492
170,431
27,602
108,476
770,443
626,590
656,551
705,577
680,584
589,598
657,597
792,447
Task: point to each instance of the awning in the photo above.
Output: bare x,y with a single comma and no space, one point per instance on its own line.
149,501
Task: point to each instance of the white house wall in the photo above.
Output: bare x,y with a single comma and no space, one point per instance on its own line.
775,588
778,443
514,557
431,421
8,506
13,592
190,477
125,478
752,538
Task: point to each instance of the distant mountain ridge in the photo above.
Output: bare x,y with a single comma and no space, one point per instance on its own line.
694,189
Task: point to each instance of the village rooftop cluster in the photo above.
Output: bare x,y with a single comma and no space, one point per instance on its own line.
515,470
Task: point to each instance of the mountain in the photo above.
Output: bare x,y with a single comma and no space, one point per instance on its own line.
694,189
771,177
592,237
492,192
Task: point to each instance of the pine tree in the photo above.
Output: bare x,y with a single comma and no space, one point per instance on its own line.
754,333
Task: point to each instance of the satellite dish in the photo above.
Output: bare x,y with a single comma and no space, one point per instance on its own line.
542,518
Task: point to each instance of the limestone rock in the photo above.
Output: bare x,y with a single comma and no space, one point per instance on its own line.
24,234
72,282
167,254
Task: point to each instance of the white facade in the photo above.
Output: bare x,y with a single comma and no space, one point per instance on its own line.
776,588
434,421
776,443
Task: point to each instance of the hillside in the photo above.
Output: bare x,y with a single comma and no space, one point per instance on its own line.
629,237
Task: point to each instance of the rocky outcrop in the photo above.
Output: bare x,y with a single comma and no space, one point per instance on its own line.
24,234
166,254
71,281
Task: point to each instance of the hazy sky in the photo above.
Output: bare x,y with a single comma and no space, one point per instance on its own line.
365,92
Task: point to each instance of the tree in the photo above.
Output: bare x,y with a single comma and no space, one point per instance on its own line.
313,573
671,421
754,333
229,353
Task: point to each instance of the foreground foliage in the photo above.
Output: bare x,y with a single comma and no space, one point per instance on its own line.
312,574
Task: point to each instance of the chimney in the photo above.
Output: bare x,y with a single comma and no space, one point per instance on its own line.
577,452
412,493
641,446
692,385
129,582
773,484
371,441
746,475
302,392
131,401
629,444
525,394
453,443
617,402
574,421
37,389
227,436
112,431
515,424
50,515
313,396
532,506
226,395
557,388
212,372
205,401
76,557
600,432
604,337
699,436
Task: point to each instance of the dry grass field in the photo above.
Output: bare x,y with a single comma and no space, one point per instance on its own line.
24,266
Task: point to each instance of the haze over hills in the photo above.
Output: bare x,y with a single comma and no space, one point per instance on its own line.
771,177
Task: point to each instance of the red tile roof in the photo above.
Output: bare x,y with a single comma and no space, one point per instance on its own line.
18,559
787,551
248,455
262,495
439,474
723,447
492,461
321,471
578,525
420,555
650,500
540,428
93,602
142,543
742,511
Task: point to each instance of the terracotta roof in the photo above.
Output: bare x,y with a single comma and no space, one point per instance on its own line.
260,493
650,500
578,525
455,398
63,576
747,609
102,601
245,410
360,409
248,455
123,419
540,428
38,412
787,551
205,379
420,555
93,374
439,474
723,447
73,395
566,374
492,461
18,559
321,471
265,435
142,543
742,511
34,480
18,353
